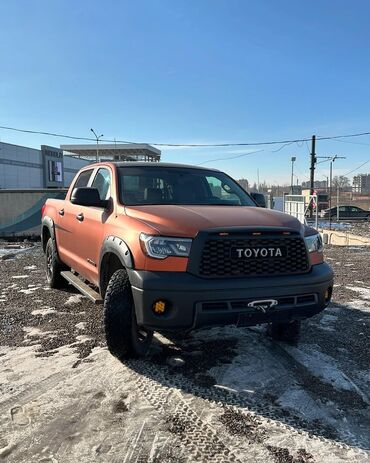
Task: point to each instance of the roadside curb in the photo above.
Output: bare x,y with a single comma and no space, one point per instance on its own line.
339,238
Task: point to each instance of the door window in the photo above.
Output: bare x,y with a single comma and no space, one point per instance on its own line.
102,183
83,179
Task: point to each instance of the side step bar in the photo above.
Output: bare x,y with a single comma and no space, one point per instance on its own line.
82,287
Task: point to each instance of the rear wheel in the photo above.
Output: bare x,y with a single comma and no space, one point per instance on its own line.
53,266
125,339
288,332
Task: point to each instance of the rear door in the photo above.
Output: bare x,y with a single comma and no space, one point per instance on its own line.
66,221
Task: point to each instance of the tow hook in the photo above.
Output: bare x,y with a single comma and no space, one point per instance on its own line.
263,305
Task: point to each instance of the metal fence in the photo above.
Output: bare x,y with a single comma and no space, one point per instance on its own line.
300,206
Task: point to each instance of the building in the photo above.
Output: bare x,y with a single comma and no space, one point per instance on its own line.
23,167
50,167
113,152
361,183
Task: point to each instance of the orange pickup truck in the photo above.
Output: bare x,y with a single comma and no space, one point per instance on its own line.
173,247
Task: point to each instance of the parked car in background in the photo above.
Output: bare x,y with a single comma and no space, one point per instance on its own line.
346,213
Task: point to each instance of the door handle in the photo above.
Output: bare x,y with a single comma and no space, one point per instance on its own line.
61,212
80,217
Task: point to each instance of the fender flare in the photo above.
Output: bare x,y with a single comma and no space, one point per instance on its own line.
47,222
118,247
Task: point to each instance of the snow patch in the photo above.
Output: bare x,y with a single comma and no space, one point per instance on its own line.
83,338
43,311
359,304
364,292
75,299
321,366
327,319
29,290
81,326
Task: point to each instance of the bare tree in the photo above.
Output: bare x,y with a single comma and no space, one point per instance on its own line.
341,181
243,182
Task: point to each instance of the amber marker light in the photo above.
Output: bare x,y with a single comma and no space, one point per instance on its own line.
159,307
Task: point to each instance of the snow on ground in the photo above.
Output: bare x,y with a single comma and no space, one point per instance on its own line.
219,391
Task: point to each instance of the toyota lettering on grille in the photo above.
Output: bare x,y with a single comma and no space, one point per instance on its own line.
259,252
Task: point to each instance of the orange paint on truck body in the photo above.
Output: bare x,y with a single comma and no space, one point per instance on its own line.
79,242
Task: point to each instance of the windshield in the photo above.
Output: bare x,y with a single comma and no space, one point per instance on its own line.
139,186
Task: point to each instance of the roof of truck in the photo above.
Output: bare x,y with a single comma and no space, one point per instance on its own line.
159,164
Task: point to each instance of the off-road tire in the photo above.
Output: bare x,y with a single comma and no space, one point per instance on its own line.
124,338
288,332
53,266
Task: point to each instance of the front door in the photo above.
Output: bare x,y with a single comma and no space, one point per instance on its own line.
66,222
88,229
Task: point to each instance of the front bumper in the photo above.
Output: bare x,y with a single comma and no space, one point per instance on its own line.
195,302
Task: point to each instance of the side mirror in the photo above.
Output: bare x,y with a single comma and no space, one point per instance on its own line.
259,199
88,197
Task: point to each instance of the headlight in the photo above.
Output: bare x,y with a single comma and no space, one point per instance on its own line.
161,247
314,243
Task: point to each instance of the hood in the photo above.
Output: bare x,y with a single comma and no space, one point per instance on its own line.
173,220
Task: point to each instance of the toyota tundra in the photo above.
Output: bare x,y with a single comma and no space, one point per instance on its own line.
171,247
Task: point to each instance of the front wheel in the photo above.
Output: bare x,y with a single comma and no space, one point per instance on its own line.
288,332
125,339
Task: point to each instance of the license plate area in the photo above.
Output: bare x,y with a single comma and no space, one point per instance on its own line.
258,252
252,318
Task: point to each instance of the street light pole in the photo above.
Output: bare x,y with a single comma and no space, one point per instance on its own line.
327,182
332,159
330,189
97,143
291,181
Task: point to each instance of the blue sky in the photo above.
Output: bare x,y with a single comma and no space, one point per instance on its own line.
192,71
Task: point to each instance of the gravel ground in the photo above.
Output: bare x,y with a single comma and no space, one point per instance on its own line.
220,394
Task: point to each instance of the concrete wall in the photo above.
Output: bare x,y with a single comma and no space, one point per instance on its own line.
20,210
339,238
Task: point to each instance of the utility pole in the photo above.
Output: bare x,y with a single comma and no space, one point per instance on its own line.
312,170
97,143
331,185
332,160
292,179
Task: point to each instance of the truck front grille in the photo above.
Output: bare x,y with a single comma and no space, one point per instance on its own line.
217,258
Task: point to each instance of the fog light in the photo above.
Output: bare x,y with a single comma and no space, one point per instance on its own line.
159,307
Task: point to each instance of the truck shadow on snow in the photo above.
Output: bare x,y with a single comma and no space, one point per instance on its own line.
315,386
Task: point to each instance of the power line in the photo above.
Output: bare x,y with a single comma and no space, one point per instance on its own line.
354,142
189,145
232,157
357,168
59,135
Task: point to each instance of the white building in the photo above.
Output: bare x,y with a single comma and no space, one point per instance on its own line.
361,183
23,167
50,167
